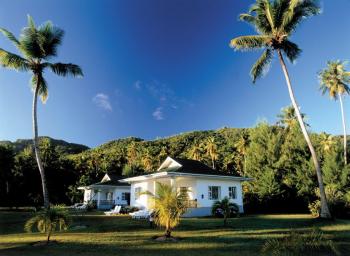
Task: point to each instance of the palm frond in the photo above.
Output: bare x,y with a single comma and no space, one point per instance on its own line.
38,80
291,50
269,12
302,10
63,69
252,42
50,38
13,61
10,36
262,65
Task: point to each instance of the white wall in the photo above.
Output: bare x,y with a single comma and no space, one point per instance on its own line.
142,201
117,195
203,188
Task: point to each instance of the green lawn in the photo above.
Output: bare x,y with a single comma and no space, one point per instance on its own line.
106,235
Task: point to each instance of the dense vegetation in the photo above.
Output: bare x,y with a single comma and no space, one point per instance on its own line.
276,156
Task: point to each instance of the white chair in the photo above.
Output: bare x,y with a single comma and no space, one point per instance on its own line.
141,214
116,210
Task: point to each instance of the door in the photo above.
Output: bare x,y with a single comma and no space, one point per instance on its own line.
127,197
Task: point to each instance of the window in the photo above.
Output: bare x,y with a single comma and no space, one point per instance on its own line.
125,196
109,195
214,193
137,193
232,193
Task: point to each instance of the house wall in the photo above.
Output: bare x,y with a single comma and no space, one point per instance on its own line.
203,189
197,187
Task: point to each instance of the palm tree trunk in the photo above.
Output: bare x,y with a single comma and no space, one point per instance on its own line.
325,213
36,147
212,162
344,127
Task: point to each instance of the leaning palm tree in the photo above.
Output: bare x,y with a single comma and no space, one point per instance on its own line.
275,21
37,46
168,204
212,150
335,81
49,220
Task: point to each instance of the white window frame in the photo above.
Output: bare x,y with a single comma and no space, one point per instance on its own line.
232,192
210,193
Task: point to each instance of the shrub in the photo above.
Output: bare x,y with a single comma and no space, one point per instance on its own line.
294,243
49,220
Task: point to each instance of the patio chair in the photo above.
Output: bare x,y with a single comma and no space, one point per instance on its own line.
116,210
142,214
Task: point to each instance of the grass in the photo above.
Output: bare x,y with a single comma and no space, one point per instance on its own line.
120,235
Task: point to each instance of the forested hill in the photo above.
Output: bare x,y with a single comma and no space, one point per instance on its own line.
61,146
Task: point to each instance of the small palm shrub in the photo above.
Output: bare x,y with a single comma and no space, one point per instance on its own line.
168,205
49,220
339,202
224,208
311,243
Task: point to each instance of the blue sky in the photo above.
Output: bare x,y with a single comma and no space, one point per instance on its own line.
157,68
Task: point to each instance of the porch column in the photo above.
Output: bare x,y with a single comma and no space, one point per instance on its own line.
98,199
173,182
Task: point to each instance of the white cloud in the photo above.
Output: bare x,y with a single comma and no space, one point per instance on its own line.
138,85
102,101
158,114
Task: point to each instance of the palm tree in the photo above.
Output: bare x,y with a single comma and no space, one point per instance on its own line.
162,154
327,142
288,118
275,21
37,46
241,146
335,81
196,152
49,220
169,205
212,150
226,207
147,160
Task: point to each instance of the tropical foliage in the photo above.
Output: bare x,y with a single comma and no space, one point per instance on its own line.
275,21
335,81
37,46
225,208
49,220
168,205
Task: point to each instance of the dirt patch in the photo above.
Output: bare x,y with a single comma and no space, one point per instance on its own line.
43,243
166,239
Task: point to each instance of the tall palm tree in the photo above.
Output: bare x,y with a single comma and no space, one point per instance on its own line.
212,150
335,81
147,160
241,146
275,21
196,152
37,46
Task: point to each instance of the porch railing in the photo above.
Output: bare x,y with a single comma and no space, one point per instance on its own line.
104,202
192,203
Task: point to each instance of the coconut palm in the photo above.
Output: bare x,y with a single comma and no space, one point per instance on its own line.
212,150
49,220
288,118
168,204
225,207
147,160
37,45
335,81
241,146
275,21
327,142
196,152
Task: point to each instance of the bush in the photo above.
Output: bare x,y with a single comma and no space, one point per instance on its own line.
294,243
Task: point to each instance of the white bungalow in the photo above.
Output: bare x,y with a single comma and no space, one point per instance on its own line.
205,185
107,193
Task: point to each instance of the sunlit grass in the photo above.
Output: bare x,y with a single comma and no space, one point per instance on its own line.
198,236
